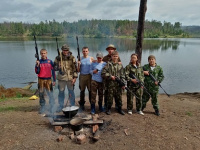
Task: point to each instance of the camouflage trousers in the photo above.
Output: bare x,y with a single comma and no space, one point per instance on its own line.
154,98
45,84
138,92
96,86
114,92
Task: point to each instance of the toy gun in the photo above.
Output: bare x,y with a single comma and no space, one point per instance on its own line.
121,84
140,83
36,49
155,80
78,57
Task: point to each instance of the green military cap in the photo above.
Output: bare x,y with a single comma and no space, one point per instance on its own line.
99,54
65,47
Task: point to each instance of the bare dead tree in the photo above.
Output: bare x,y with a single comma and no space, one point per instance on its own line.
140,29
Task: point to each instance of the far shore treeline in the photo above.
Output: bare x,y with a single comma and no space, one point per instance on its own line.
93,28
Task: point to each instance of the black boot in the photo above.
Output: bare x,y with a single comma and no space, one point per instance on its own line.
90,95
92,109
82,101
157,113
108,111
82,108
121,111
143,107
101,109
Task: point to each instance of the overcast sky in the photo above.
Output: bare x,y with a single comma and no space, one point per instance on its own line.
34,11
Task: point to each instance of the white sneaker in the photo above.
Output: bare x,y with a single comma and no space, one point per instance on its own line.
130,112
140,112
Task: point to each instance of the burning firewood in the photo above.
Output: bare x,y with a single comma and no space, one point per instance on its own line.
95,128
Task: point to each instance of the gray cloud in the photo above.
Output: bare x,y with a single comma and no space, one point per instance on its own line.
69,10
60,6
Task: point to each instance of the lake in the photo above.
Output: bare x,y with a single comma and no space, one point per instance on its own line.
179,59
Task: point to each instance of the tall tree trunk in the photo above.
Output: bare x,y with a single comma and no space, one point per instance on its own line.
140,29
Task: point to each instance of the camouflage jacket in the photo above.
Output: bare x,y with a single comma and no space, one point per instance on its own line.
112,69
138,72
69,68
157,72
108,58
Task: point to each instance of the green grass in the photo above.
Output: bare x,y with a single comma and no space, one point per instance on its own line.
9,108
188,113
18,95
13,98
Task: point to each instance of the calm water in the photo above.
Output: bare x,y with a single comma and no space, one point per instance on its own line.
179,59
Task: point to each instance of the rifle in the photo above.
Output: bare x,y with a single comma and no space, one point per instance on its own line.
78,57
155,80
57,47
36,49
121,83
59,58
140,83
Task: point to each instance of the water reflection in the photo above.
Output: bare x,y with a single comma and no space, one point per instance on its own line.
17,58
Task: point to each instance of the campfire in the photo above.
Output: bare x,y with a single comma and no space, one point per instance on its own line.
80,126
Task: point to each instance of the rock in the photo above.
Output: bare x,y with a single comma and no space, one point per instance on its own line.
60,138
72,136
80,139
125,131
57,128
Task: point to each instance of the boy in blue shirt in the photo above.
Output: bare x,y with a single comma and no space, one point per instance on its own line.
97,82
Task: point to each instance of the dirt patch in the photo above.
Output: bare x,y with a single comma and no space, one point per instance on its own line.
176,128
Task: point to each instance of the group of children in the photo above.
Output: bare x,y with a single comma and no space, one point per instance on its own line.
109,78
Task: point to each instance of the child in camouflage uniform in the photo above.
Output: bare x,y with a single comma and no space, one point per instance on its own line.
152,86
109,72
134,68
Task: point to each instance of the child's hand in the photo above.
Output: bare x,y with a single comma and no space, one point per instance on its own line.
134,81
112,77
79,63
73,81
146,73
156,83
37,63
54,83
95,71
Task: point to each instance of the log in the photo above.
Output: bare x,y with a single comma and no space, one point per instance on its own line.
91,122
96,136
59,123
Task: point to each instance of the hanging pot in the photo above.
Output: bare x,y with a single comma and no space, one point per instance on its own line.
70,111
76,124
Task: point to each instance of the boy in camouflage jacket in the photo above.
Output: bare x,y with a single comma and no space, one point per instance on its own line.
152,86
112,70
134,68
